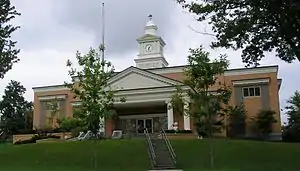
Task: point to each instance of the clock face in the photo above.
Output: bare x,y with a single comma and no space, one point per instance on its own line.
148,48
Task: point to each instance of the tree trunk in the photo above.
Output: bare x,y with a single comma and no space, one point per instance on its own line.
211,152
95,158
94,154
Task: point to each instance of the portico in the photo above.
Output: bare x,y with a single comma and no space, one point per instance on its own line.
148,100
152,115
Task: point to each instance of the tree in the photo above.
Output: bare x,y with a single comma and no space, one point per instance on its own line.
178,101
14,107
8,52
236,120
263,123
90,85
53,107
253,26
29,117
206,93
292,130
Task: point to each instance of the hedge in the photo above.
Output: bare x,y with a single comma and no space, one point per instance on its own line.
46,131
35,138
179,131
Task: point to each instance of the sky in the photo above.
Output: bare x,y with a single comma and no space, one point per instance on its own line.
53,30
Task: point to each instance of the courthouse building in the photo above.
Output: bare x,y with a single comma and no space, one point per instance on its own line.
149,85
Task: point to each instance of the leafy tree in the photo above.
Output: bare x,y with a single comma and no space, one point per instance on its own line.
8,52
236,120
90,85
292,130
205,92
178,101
253,26
14,107
263,123
29,117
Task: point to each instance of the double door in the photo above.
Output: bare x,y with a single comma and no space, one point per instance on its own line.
144,123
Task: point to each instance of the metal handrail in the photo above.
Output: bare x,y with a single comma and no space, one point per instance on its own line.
152,152
170,148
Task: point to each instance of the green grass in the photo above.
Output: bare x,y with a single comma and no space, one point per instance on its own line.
131,155
238,155
112,155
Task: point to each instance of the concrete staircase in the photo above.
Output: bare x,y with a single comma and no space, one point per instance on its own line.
163,158
161,154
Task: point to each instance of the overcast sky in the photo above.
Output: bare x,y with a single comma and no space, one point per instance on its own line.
53,30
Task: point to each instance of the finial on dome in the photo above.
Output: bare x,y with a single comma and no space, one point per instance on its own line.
150,17
150,26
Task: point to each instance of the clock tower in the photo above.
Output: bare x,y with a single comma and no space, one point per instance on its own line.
151,48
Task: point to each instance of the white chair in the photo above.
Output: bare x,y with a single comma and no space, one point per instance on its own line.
117,134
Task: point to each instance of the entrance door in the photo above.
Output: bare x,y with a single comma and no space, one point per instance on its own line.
149,125
144,123
140,126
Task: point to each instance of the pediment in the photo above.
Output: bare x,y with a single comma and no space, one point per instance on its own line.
134,78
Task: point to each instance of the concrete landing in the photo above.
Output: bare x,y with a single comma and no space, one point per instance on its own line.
168,170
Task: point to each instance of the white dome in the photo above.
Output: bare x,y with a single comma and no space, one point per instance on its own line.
150,23
150,27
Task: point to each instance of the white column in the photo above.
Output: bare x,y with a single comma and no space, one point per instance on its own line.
170,114
186,117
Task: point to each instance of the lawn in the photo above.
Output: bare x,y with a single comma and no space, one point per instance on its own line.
238,155
131,155
111,155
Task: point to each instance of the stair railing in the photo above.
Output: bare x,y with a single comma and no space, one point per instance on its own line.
151,148
170,148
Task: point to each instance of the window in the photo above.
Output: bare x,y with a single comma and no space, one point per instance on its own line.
251,91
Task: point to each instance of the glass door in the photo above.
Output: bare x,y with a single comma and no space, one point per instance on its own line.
149,125
144,123
140,126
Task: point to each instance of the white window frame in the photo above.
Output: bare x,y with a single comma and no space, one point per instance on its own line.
249,96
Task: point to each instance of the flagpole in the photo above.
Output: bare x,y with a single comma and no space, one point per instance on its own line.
102,119
103,31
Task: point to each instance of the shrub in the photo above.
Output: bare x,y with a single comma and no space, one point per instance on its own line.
75,132
236,126
29,141
179,131
42,131
35,138
290,135
39,137
263,123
